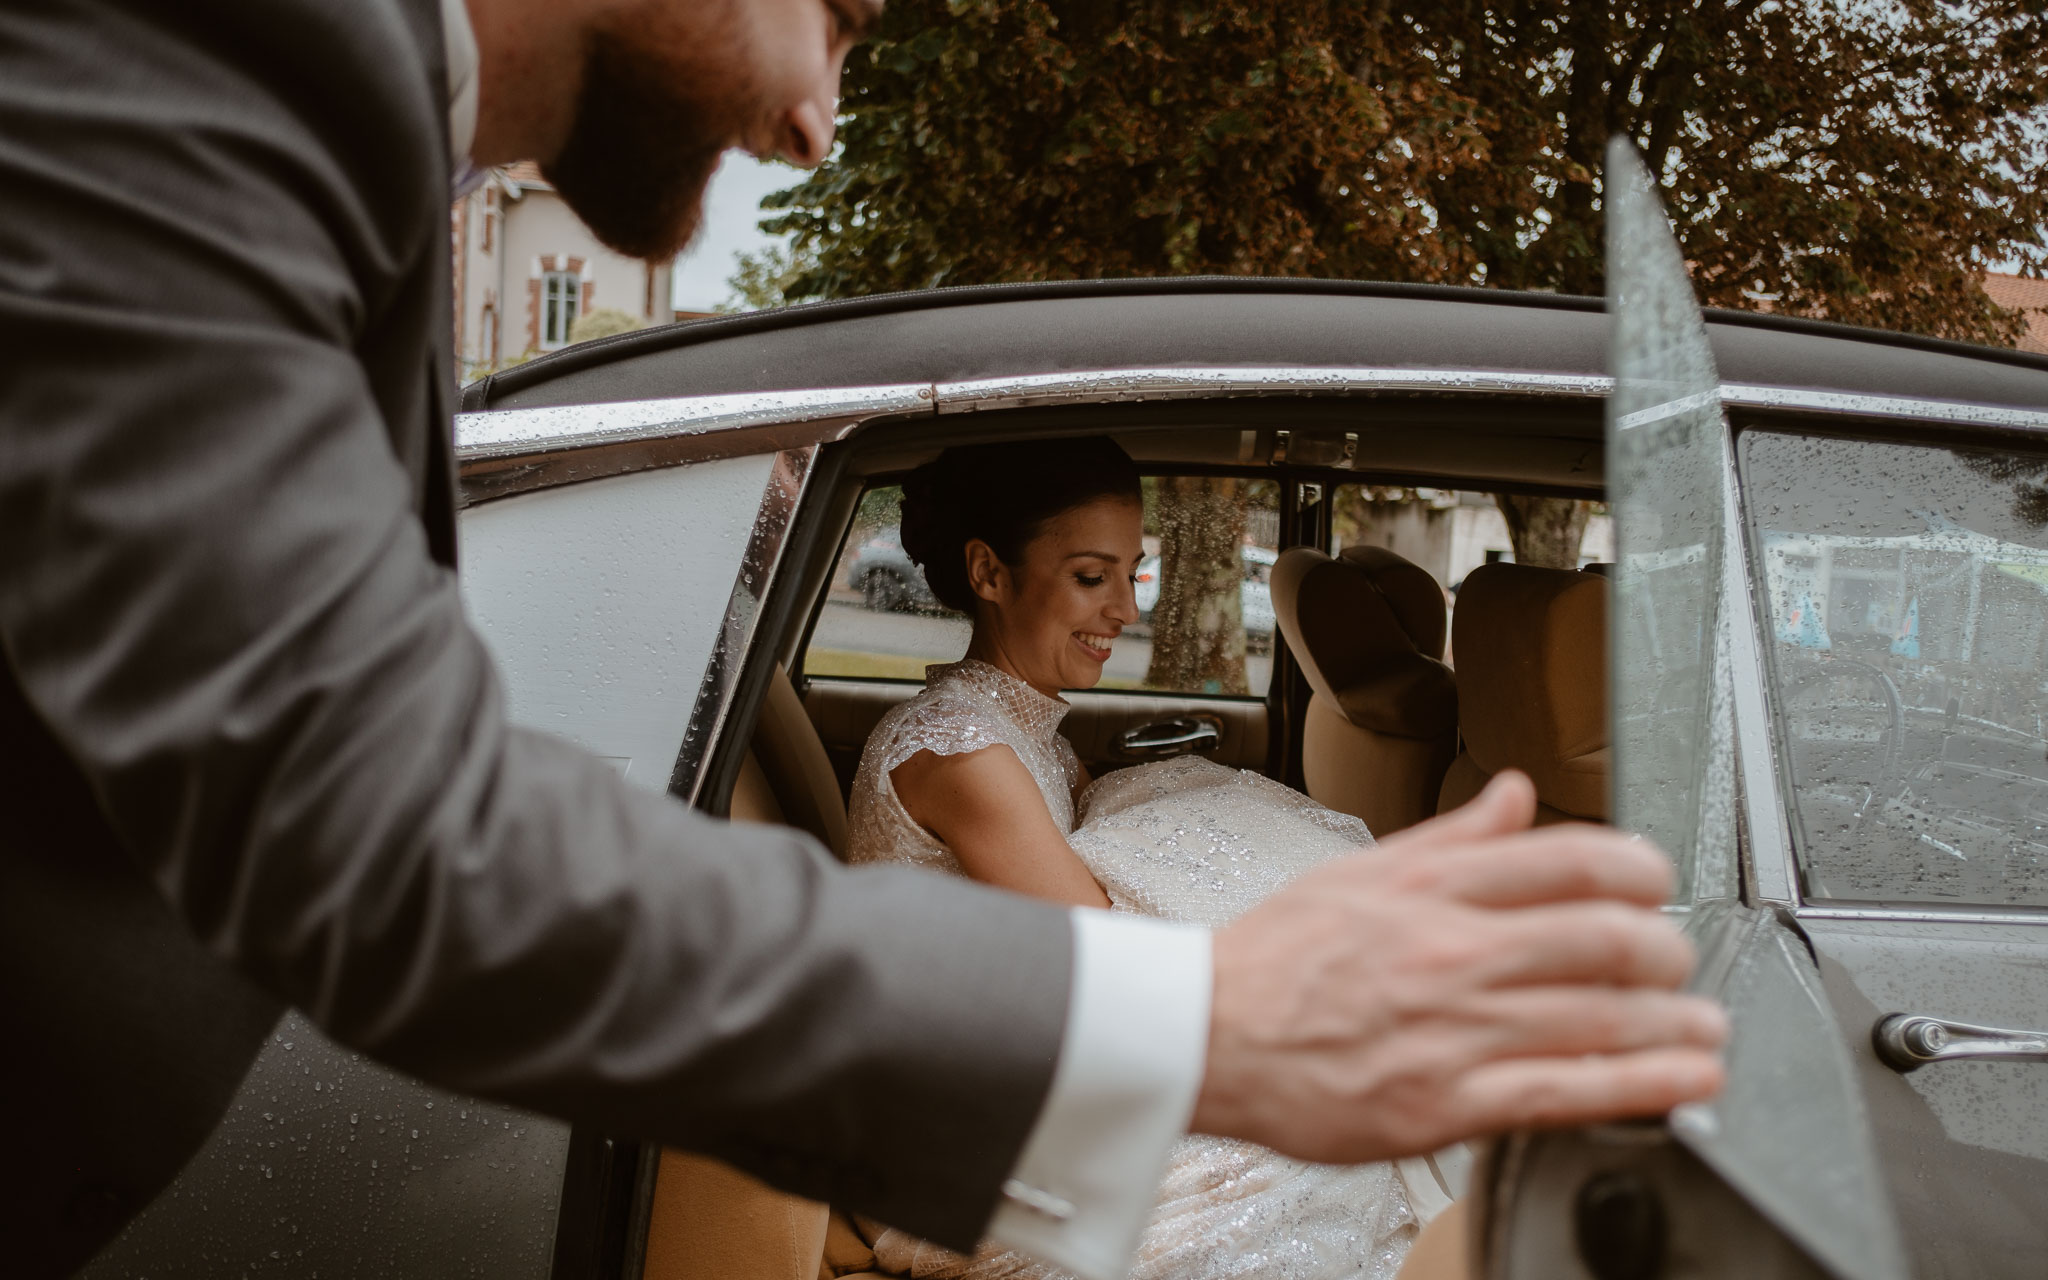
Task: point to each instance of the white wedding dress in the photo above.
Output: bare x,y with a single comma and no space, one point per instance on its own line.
1182,840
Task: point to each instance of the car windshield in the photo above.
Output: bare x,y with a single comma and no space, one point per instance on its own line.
1907,590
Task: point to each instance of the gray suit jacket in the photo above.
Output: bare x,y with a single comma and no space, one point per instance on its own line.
251,752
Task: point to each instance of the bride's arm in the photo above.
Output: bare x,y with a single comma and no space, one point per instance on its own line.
987,809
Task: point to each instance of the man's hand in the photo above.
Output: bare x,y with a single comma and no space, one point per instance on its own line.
1468,976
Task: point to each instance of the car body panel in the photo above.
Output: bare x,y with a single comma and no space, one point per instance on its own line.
1964,1145
329,1162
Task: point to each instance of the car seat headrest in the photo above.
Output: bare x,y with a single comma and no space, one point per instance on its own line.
1532,676
1367,627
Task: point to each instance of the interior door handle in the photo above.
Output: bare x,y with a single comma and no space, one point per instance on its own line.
1909,1041
1168,738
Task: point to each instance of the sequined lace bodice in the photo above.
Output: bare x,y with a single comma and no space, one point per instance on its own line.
1183,840
965,707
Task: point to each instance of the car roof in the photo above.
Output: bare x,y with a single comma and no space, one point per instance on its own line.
996,331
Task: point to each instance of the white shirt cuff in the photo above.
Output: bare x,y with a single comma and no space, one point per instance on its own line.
1131,1063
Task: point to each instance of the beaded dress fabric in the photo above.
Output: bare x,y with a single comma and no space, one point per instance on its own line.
1183,840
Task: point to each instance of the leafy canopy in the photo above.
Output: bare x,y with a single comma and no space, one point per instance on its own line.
1863,160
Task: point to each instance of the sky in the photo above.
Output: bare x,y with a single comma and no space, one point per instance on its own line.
731,210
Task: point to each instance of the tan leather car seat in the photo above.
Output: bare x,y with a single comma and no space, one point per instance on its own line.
1532,687
788,777
1382,726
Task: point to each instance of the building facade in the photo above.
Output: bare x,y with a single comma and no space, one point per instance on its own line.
526,268
2028,296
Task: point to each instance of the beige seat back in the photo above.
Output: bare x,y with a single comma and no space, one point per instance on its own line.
794,767
1532,687
1368,629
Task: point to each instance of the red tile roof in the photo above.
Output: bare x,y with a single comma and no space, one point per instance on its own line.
527,174
2017,293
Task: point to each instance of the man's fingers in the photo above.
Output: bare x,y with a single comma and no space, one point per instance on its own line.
1507,805
1554,864
1549,1093
1551,1022
1602,943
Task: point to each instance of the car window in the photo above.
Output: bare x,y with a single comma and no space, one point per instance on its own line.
1673,725
1203,593
1449,532
1907,589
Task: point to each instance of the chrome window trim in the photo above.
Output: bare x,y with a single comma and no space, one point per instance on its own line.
1773,876
516,433
540,447
511,451
1960,413
1922,914
788,479
1116,386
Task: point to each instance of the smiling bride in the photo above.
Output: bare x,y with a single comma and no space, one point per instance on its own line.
1039,544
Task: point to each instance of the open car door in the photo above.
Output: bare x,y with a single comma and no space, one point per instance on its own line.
1778,1176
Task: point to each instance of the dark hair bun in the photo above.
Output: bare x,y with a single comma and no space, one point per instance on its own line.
1002,494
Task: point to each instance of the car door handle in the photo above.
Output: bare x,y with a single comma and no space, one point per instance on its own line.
1909,1041
1168,738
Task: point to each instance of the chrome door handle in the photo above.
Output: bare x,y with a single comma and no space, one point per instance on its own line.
1169,738
1909,1041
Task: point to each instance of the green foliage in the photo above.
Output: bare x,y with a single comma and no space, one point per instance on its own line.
603,323
764,279
1859,161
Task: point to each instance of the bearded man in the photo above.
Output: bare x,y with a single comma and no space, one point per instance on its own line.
254,754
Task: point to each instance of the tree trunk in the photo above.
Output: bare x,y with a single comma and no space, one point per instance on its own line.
1546,532
1198,622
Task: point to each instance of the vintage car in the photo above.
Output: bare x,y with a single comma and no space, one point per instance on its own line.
657,524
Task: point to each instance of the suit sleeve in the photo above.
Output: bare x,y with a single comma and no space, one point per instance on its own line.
216,594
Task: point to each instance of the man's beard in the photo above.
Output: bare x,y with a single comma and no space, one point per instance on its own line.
645,142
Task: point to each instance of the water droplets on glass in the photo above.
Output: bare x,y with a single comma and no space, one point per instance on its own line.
1673,725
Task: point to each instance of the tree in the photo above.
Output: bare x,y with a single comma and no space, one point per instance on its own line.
1545,532
1198,621
763,279
603,323
1846,159
1861,162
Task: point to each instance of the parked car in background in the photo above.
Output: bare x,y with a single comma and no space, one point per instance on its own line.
1256,596
886,577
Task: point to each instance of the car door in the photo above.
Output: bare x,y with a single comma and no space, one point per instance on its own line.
591,597
1906,578
1778,1175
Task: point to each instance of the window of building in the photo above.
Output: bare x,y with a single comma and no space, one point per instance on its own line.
560,293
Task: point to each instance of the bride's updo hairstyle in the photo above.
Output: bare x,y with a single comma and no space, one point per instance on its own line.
1002,494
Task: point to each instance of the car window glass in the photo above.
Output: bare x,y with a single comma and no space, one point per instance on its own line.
1907,593
1448,532
1203,595
1673,726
